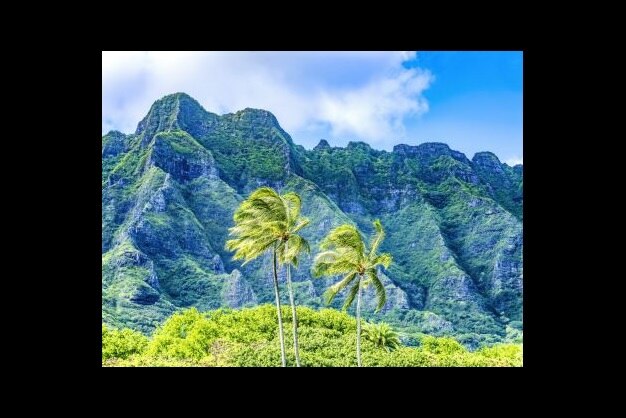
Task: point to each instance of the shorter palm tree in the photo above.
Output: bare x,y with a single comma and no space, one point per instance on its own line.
382,335
345,253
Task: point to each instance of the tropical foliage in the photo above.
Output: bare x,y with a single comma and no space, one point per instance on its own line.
249,337
121,343
382,336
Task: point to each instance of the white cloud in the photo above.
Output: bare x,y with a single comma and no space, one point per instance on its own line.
355,95
376,111
514,161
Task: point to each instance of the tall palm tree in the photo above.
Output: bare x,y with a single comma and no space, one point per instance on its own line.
267,221
291,245
345,253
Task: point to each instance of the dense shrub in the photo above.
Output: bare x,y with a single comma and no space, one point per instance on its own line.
121,343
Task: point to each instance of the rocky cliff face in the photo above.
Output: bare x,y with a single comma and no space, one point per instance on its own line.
454,226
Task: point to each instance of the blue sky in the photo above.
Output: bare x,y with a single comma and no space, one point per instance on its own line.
470,100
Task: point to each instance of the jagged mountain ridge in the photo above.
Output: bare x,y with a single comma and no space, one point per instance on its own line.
169,190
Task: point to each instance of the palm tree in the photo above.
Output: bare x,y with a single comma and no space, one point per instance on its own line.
268,221
382,335
291,245
345,253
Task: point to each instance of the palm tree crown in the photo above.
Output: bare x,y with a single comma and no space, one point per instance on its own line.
268,219
346,254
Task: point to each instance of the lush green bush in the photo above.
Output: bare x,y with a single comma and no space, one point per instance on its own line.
248,337
121,344
503,354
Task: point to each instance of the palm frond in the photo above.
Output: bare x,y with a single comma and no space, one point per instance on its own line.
344,236
383,259
332,291
340,265
248,249
323,261
293,204
264,192
381,293
379,235
301,224
264,204
250,230
351,295
278,210
296,245
344,252
250,208
327,256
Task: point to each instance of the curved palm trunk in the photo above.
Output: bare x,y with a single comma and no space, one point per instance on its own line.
358,323
280,316
294,315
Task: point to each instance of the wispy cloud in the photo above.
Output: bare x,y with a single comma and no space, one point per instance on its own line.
358,95
376,111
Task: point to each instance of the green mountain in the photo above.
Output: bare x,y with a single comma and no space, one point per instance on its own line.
454,225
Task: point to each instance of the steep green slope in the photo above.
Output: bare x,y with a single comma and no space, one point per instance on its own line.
457,250
169,191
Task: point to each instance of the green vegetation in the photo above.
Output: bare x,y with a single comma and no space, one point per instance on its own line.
382,336
249,337
169,192
121,344
345,253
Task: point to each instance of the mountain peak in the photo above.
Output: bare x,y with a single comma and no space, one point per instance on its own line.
114,134
488,162
172,112
486,158
323,144
429,150
260,117
358,144
177,96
